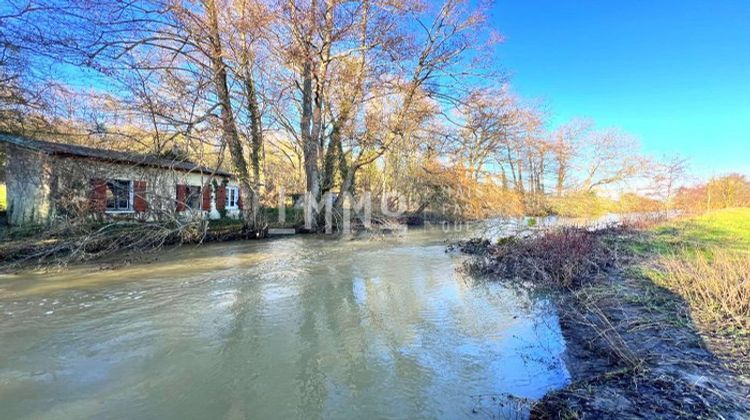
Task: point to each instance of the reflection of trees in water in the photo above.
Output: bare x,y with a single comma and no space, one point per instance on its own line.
349,344
310,377
388,344
237,353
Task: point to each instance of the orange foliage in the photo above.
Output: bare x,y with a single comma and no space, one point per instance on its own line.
457,194
728,191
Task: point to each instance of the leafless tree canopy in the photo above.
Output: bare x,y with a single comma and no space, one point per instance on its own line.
307,95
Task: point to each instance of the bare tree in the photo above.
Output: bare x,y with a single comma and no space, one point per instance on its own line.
608,157
564,146
667,175
488,114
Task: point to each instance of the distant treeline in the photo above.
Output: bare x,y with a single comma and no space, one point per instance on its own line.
719,193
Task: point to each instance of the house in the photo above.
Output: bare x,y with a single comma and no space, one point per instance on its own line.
48,180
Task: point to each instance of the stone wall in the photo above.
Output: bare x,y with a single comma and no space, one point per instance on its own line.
27,176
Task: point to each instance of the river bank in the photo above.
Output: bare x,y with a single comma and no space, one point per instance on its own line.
639,341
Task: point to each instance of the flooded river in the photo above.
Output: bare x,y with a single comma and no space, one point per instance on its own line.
286,328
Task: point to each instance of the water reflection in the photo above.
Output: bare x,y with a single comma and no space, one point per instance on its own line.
300,327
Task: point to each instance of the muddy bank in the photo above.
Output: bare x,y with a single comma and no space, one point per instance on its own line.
632,347
632,350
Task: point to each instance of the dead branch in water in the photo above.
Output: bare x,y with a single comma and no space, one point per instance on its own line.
67,243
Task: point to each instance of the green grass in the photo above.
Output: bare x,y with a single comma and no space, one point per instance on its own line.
704,260
727,229
293,216
730,227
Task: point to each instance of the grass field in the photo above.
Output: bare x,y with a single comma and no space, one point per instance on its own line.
705,260
727,229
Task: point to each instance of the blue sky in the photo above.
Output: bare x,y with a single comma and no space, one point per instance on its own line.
676,74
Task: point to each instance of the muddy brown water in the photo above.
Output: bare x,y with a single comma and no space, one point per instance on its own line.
299,327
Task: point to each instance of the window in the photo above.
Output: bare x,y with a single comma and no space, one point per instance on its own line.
119,195
233,197
193,197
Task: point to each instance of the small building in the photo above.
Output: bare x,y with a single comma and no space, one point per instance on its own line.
47,181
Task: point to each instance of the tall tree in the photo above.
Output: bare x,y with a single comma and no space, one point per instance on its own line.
230,134
565,142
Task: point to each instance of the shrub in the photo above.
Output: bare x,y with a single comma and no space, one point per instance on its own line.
562,258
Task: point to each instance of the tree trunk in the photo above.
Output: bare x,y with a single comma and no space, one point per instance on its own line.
309,143
561,174
331,156
229,127
256,130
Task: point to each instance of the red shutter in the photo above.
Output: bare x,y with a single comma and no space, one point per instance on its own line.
239,198
221,197
207,197
181,196
98,195
140,204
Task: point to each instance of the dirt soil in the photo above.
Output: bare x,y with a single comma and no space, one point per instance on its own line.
639,355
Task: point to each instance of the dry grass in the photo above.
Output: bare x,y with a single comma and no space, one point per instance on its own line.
588,312
706,261
715,284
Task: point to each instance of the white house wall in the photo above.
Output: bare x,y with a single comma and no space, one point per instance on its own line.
41,187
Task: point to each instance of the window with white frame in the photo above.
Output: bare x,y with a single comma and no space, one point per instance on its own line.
119,195
233,197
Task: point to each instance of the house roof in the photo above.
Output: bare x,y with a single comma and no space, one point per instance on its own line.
64,149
